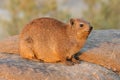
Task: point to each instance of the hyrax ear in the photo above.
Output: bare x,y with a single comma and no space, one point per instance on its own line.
72,21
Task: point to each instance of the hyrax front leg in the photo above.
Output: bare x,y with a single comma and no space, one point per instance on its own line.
75,60
68,62
65,60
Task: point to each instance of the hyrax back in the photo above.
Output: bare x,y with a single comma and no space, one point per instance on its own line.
50,40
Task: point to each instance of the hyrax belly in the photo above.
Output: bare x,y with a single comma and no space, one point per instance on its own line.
46,51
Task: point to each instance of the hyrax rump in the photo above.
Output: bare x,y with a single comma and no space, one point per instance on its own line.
50,40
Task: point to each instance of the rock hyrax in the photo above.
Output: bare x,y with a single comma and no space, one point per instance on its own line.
51,40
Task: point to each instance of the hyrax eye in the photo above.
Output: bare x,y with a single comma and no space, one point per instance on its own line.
81,24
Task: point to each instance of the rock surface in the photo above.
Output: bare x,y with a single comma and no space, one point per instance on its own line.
103,48
13,67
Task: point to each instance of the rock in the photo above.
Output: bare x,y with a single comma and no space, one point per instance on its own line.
103,48
13,67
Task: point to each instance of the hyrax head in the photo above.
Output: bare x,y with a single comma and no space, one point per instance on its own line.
81,27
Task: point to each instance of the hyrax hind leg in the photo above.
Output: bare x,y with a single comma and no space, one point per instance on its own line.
26,49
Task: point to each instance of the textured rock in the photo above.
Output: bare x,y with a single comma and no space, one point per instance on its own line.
13,67
103,48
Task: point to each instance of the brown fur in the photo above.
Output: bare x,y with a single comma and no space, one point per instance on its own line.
50,40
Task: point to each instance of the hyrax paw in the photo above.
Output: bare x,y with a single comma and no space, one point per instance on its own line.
75,61
68,63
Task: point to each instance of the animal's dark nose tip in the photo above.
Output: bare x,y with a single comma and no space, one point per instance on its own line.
91,28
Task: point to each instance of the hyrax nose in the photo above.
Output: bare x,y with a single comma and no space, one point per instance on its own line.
91,28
